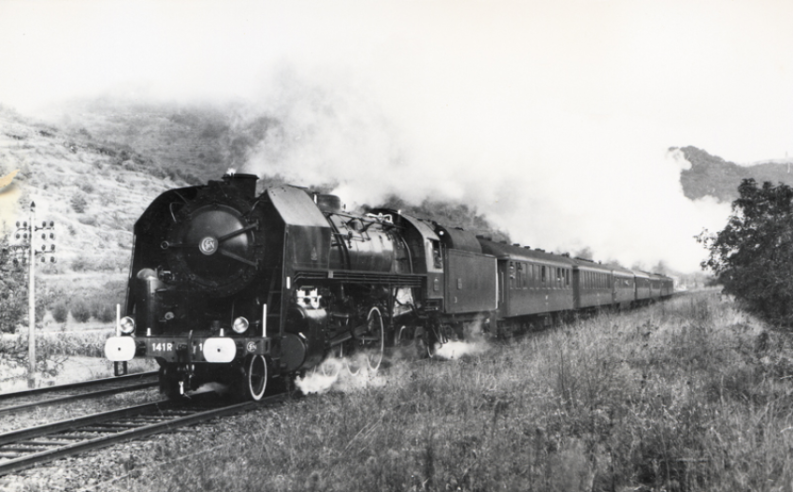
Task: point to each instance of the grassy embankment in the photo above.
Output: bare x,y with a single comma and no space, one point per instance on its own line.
686,395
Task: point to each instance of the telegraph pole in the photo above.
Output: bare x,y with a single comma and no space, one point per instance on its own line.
29,230
32,301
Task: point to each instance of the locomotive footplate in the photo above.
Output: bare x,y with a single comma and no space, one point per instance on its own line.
205,349
198,349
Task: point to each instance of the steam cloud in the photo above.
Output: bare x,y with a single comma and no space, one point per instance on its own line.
614,190
334,374
552,118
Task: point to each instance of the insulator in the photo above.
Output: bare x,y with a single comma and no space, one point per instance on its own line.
44,236
24,236
16,261
52,259
17,223
24,224
43,259
52,235
44,247
52,247
17,235
44,224
52,224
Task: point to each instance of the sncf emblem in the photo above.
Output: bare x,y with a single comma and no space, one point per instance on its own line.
208,245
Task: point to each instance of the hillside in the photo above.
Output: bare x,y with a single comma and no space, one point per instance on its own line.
91,189
194,142
94,177
712,175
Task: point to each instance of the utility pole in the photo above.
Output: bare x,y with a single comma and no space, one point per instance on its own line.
29,230
32,302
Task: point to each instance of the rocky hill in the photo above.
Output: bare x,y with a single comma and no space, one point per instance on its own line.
712,175
93,190
193,142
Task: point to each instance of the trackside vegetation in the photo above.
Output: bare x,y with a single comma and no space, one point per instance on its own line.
692,394
751,256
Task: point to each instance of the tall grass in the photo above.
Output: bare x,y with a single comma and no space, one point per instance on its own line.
686,395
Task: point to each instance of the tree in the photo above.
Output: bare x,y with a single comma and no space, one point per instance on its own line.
752,257
13,290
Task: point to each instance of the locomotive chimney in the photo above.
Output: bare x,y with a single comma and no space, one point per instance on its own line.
244,183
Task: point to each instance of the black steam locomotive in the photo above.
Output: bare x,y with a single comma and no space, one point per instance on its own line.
230,286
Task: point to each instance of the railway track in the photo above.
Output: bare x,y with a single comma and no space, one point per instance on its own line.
25,448
53,395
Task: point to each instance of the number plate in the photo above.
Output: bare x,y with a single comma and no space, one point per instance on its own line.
162,347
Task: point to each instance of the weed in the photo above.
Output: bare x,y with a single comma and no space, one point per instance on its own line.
676,398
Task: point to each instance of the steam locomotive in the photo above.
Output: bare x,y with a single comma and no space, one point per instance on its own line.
230,286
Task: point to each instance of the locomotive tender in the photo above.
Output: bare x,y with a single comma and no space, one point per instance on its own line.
227,285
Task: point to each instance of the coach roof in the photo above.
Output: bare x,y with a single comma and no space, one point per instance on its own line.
517,253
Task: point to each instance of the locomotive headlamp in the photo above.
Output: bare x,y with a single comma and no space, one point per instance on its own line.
126,325
240,325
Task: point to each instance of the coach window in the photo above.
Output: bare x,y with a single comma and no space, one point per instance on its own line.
518,273
511,275
543,274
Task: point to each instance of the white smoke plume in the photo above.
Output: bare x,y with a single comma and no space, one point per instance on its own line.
613,189
552,118
340,374
459,349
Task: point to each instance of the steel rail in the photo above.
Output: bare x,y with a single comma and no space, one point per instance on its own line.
81,384
81,396
117,431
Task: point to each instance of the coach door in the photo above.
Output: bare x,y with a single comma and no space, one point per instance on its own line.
502,308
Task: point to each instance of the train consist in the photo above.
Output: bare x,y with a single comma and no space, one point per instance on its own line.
227,285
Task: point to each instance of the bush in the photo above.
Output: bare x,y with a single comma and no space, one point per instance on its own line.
13,292
81,264
60,311
79,203
90,220
81,312
102,309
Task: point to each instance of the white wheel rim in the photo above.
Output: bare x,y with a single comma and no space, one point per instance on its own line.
252,391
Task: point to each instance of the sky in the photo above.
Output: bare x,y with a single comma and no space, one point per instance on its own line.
553,118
